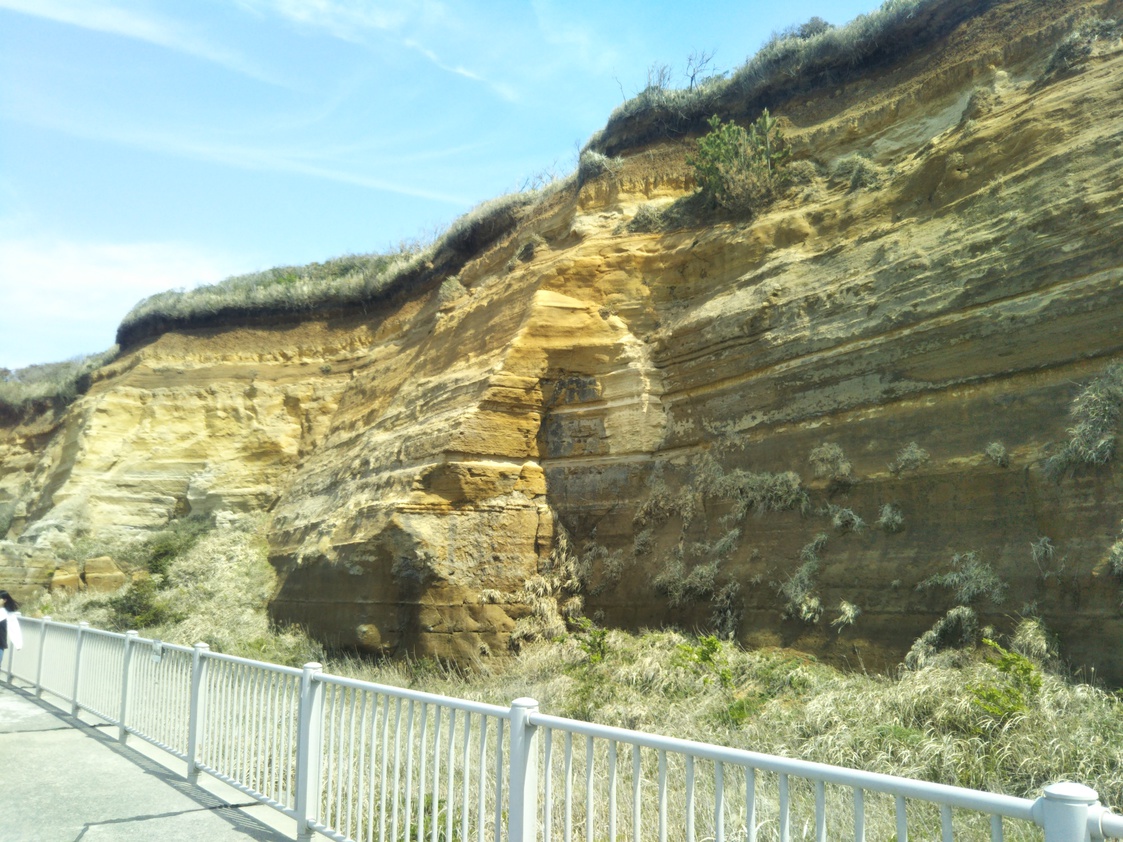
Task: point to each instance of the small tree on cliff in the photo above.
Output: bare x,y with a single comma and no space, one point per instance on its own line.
740,170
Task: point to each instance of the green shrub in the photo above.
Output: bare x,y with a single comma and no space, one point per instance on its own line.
890,519
996,452
140,607
970,580
828,461
706,659
957,629
1015,689
848,614
909,458
858,172
647,220
739,170
156,553
1096,411
845,520
592,165
1115,555
593,641
798,591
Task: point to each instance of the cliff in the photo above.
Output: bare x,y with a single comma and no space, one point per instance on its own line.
814,427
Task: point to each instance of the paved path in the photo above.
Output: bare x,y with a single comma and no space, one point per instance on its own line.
62,780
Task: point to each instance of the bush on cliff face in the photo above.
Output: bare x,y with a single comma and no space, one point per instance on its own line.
737,170
1096,411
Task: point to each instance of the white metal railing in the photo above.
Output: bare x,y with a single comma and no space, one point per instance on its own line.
358,761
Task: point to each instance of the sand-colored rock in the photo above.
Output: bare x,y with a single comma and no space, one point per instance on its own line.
634,390
102,575
66,579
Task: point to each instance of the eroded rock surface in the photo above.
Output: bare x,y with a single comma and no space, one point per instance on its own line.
648,395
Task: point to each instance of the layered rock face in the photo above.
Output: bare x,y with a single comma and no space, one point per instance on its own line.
690,426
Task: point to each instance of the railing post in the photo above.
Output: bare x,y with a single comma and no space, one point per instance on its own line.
197,716
74,705
1063,812
522,794
309,752
126,660
42,650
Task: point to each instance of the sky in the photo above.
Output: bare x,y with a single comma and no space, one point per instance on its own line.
148,145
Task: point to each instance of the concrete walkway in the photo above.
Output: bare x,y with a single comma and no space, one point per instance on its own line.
63,779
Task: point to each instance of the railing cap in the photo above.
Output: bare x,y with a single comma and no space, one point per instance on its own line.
1070,792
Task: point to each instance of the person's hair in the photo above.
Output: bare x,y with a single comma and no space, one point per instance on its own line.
9,603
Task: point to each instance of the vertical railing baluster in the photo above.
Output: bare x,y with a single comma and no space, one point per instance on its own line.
996,829
612,791
42,652
662,795
785,810
465,807
421,780
637,803
902,820
568,786
435,805
750,804
75,704
407,813
859,815
590,820
719,801
820,811
499,767
689,798
450,783
371,777
354,766
482,788
548,785
945,823
397,766
126,668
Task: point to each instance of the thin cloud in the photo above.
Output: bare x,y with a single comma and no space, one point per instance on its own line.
115,20
246,157
357,24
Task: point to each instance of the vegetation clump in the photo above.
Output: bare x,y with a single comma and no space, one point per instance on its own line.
996,452
909,458
54,384
890,519
740,171
828,461
970,579
1096,412
1076,48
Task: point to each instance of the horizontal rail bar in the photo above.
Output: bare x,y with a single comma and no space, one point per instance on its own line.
416,696
245,790
234,659
986,802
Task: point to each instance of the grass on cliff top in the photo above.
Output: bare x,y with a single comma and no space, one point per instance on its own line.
1001,719
804,52
792,61
48,383
346,281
